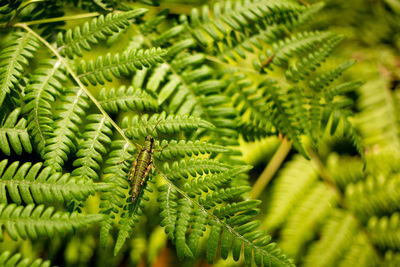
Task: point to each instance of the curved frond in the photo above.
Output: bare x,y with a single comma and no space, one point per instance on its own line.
13,59
72,42
43,87
17,260
385,231
33,184
193,166
114,173
308,215
235,16
181,148
292,185
37,221
14,134
374,196
68,117
337,235
102,70
162,123
126,98
90,152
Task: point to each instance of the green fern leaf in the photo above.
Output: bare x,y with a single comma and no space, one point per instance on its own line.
37,221
126,98
17,134
17,260
13,59
101,70
181,148
31,184
236,16
116,174
130,216
80,37
184,168
68,118
337,235
44,85
384,231
161,124
97,134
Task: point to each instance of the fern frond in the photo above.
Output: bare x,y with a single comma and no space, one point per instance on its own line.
43,87
384,231
116,174
95,139
32,184
361,253
238,15
231,224
378,120
292,185
345,170
101,70
181,148
374,196
126,98
184,168
308,215
37,221
306,65
131,215
212,181
13,59
72,42
337,236
17,134
296,45
17,260
162,124
67,120
323,80
288,114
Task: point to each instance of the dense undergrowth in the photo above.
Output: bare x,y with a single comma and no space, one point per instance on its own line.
226,89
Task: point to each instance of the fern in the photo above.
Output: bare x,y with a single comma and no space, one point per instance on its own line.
198,82
73,41
30,184
67,120
43,87
13,59
126,98
37,221
17,134
9,259
97,72
90,150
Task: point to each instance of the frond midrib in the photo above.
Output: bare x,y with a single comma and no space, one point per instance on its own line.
38,98
14,60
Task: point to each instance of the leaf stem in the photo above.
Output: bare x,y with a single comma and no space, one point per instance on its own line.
50,20
73,75
271,168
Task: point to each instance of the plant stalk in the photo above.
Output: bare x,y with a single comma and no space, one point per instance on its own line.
271,168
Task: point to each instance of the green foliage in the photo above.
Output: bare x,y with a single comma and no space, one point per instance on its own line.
97,72
198,81
31,185
14,57
37,221
97,29
14,134
9,259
